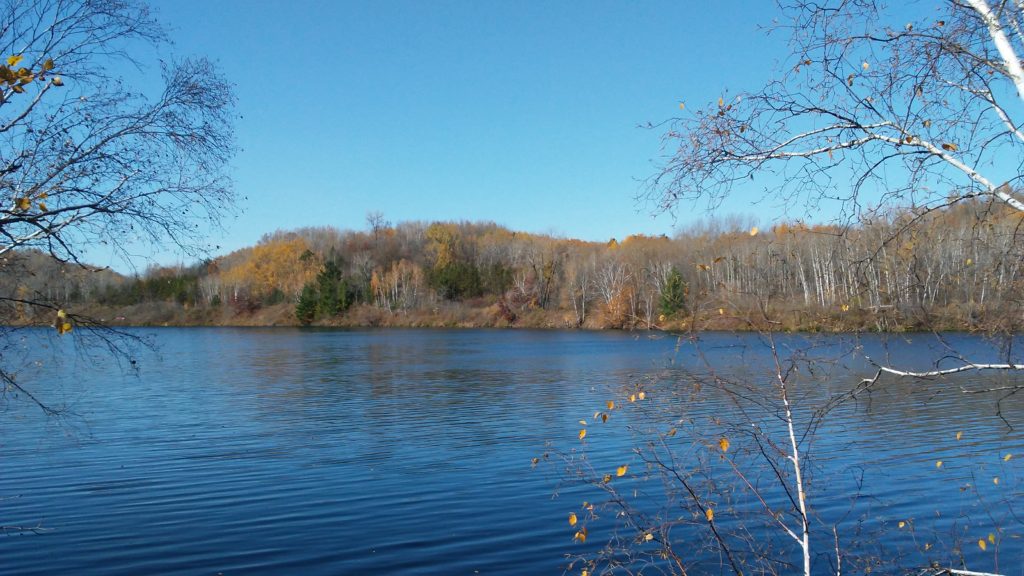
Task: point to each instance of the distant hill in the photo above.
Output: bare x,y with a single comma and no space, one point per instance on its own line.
963,264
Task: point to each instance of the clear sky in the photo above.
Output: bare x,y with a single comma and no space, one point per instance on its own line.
522,113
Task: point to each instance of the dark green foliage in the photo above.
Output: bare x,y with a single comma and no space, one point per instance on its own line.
276,296
305,309
331,298
456,281
343,296
495,279
183,289
330,294
673,295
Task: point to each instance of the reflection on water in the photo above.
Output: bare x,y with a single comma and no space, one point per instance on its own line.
405,451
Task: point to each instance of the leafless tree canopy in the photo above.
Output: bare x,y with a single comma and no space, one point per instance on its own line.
913,104
85,160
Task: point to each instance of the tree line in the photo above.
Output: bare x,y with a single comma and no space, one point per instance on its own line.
962,265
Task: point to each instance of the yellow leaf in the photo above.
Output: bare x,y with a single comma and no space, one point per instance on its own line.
611,405
48,64
13,60
709,514
995,480
938,464
845,307
950,147
57,81
864,66
63,328
926,123
1007,457
607,478
17,89
959,435
982,545
572,519
583,434
584,573
581,535
534,461
721,311
583,422
682,106
927,546
721,101
22,203
61,314
642,395
723,443
969,262
902,524
632,397
648,537
42,207
672,432
753,231
991,538
621,470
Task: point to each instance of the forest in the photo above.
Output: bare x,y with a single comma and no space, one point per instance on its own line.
961,263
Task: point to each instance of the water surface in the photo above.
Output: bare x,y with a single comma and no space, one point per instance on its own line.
270,451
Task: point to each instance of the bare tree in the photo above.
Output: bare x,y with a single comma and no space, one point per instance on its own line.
870,112
917,112
86,161
377,223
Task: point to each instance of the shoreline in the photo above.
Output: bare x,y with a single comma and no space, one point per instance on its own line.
460,317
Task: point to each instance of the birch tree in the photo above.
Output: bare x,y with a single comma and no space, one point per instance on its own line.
876,107
85,160
922,110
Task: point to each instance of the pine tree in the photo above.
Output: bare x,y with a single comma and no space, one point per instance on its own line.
673,295
305,310
327,284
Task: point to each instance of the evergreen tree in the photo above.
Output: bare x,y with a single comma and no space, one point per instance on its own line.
328,282
673,295
305,310
342,296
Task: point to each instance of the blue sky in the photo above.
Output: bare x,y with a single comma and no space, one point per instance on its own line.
524,113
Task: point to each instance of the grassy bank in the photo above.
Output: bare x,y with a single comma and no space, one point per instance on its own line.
456,315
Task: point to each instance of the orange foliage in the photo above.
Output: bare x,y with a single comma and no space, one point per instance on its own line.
277,263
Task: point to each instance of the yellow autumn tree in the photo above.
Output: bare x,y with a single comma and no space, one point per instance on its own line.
278,264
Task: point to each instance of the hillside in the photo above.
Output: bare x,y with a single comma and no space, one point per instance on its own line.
961,264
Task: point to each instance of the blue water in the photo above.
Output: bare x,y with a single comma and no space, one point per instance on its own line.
272,451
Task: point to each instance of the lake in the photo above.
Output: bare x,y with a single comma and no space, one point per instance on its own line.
274,451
